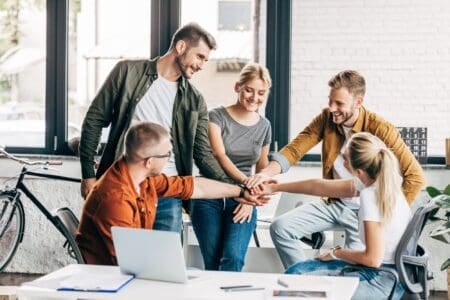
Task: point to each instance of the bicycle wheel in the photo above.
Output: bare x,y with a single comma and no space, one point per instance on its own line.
12,222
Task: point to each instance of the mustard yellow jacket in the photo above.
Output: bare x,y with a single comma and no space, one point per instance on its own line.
322,128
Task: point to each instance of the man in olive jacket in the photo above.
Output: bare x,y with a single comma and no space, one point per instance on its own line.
155,90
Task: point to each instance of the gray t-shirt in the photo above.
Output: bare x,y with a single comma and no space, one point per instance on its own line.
242,143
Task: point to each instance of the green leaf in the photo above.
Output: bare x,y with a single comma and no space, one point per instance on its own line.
445,265
442,232
432,217
432,191
447,190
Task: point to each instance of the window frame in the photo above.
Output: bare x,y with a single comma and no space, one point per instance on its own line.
279,15
165,19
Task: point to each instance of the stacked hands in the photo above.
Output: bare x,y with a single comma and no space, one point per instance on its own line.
259,188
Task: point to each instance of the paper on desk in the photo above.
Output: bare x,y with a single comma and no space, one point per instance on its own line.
99,281
90,280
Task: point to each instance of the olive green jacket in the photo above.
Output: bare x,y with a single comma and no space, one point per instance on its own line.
114,106
322,128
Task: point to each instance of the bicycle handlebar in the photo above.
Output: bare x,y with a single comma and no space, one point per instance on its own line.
29,162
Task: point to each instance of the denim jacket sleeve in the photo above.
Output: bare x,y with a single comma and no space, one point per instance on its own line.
203,155
98,116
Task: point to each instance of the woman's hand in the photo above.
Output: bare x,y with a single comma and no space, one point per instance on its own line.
254,180
327,256
265,188
242,213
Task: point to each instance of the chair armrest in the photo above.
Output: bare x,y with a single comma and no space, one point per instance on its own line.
421,275
392,272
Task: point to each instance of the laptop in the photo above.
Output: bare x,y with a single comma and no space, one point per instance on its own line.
150,254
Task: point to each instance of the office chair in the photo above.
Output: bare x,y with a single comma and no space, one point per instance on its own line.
68,224
411,259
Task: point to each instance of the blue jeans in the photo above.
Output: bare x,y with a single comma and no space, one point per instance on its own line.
168,215
372,284
287,230
223,243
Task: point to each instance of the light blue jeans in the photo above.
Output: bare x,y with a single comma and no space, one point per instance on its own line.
287,230
372,284
223,243
168,215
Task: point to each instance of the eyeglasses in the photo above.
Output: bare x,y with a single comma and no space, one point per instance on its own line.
159,156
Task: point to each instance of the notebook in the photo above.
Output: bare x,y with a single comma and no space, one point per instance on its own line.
86,278
150,254
102,280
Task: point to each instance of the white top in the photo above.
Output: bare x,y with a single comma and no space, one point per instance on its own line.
157,106
393,229
341,172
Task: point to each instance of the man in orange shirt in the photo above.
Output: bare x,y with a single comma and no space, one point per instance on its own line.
127,194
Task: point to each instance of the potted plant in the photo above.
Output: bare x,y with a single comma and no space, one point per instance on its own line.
441,215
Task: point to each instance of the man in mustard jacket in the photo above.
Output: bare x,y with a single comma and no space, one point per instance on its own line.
344,116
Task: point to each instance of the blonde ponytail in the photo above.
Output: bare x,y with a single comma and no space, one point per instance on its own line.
367,152
388,183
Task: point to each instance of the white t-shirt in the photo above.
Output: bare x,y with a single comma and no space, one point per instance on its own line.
393,229
341,172
157,106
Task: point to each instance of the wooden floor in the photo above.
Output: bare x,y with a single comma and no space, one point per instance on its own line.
18,278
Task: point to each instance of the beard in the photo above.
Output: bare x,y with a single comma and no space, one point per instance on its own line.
344,117
181,66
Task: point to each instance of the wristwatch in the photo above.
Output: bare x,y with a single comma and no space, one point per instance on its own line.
332,251
243,189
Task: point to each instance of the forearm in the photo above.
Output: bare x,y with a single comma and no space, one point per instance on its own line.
318,187
230,168
272,169
90,137
358,257
209,189
412,187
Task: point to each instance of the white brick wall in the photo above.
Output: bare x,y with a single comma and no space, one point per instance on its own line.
402,49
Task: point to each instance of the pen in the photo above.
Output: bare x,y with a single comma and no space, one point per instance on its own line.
245,289
235,287
282,283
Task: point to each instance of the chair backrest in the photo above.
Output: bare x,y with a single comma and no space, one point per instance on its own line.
411,259
68,225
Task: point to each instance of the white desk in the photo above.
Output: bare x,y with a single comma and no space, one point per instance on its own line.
205,286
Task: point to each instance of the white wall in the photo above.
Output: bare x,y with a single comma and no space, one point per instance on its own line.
41,249
401,47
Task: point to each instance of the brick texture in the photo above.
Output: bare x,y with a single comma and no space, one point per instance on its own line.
401,48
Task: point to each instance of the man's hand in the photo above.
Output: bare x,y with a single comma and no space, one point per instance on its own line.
242,213
86,186
253,200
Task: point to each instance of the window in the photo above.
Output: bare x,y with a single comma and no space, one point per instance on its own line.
101,33
22,73
401,50
235,15
235,47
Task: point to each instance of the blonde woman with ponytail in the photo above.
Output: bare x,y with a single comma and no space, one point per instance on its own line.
383,216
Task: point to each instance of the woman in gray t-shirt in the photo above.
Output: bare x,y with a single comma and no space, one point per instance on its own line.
240,138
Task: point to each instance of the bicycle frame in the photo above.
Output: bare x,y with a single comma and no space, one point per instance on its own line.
22,187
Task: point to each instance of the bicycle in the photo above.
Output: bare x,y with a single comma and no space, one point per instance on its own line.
12,213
